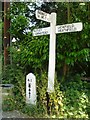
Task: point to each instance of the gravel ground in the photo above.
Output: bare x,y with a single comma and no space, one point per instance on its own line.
14,114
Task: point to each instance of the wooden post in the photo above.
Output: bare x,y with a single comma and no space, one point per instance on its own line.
6,33
48,101
0,59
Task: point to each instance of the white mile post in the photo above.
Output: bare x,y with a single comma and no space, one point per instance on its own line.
31,89
52,51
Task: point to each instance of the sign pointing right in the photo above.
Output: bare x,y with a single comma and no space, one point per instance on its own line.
69,27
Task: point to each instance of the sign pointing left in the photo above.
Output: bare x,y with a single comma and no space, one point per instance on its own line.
41,31
43,16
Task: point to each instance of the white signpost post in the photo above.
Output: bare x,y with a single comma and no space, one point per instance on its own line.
31,89
52,30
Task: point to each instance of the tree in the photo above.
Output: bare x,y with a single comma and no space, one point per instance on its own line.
72,48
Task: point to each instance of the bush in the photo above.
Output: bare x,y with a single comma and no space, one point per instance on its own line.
8,104
69,100
76,99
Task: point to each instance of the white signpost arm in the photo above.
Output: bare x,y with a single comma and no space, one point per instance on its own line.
73,27
43,16
52,51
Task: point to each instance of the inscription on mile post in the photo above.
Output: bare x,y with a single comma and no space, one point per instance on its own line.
31,89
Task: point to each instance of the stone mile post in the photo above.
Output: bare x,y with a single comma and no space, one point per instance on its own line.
31,89
52,31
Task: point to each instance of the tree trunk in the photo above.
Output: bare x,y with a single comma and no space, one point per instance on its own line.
66,67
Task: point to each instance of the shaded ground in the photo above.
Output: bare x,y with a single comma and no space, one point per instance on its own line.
14,114
9,114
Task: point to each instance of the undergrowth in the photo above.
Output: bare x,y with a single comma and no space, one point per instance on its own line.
69,100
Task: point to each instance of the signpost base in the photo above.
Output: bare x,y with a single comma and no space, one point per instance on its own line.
48,101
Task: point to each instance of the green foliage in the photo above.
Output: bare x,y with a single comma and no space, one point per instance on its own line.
14,75
32,54
56,102
19,20
70,99
41,92
30,110
19,25
8,104
76,99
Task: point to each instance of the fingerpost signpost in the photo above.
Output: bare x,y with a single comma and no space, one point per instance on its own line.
53,30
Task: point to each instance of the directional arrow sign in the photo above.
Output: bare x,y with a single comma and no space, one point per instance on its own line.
59,29
69,27
43,16
41,31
